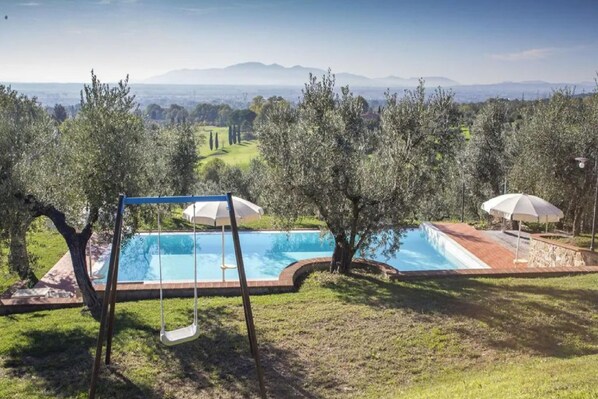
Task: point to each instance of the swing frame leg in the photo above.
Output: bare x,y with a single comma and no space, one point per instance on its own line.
245,295
107,318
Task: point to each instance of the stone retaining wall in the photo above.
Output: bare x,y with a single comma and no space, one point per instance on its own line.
544,252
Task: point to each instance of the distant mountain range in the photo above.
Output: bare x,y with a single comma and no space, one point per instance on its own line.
237,84
258,74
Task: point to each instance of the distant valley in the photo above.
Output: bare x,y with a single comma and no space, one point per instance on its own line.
237,84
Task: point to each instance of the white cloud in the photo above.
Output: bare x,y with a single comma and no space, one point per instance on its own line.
233,6
29,4
531,54
106,2
539,53
206,10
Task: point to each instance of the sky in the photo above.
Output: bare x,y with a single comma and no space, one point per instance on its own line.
471,42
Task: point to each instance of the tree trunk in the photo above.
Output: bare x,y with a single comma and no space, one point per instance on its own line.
576,221
77,244
341,258
18,258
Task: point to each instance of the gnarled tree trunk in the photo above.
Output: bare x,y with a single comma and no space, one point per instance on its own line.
18,257
77,243
341,257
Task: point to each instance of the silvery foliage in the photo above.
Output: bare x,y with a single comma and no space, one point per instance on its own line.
367,185
554,132
487,162
25,131
101,153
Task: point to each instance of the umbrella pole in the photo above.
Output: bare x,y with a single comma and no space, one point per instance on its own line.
222,267
518,238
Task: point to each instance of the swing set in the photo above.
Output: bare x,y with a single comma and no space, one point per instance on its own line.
180,335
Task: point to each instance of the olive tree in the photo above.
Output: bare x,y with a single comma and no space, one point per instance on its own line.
552,134
180,151
25,130
487,161
98,155
366,185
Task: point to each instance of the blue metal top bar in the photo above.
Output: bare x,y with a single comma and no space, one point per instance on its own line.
174,200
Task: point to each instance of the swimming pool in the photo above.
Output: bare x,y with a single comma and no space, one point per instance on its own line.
267,253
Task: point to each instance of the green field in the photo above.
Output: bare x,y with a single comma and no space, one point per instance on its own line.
237,154
46,247
582,241
354,336
466,132
174,221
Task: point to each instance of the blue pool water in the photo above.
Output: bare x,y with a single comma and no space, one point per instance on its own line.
265,255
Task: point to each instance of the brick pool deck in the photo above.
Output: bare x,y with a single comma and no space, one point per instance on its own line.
497,257
485,249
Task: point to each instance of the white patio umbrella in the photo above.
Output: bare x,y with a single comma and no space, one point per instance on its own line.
523,208
215,213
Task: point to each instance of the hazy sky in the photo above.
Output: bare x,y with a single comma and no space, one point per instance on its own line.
474,41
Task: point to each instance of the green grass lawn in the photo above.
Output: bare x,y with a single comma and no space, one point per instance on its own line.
268,222
46,246
338,337
581,241
237,154
174,221
466,132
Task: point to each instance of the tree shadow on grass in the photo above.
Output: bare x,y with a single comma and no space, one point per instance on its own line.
60,361
218,364
544,320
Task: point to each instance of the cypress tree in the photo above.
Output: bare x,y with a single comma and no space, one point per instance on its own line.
230,135
211,141
216,142
239,134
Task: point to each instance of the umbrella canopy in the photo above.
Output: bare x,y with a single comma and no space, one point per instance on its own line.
523,207
216,213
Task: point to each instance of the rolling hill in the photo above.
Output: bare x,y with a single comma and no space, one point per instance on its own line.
256,73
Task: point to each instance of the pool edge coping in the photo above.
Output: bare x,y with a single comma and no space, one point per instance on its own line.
459,247
288,282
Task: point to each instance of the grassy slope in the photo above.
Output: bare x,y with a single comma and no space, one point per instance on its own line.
46,246
175,222
581,241
337,337
237,154
466,132
242,154
537,378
